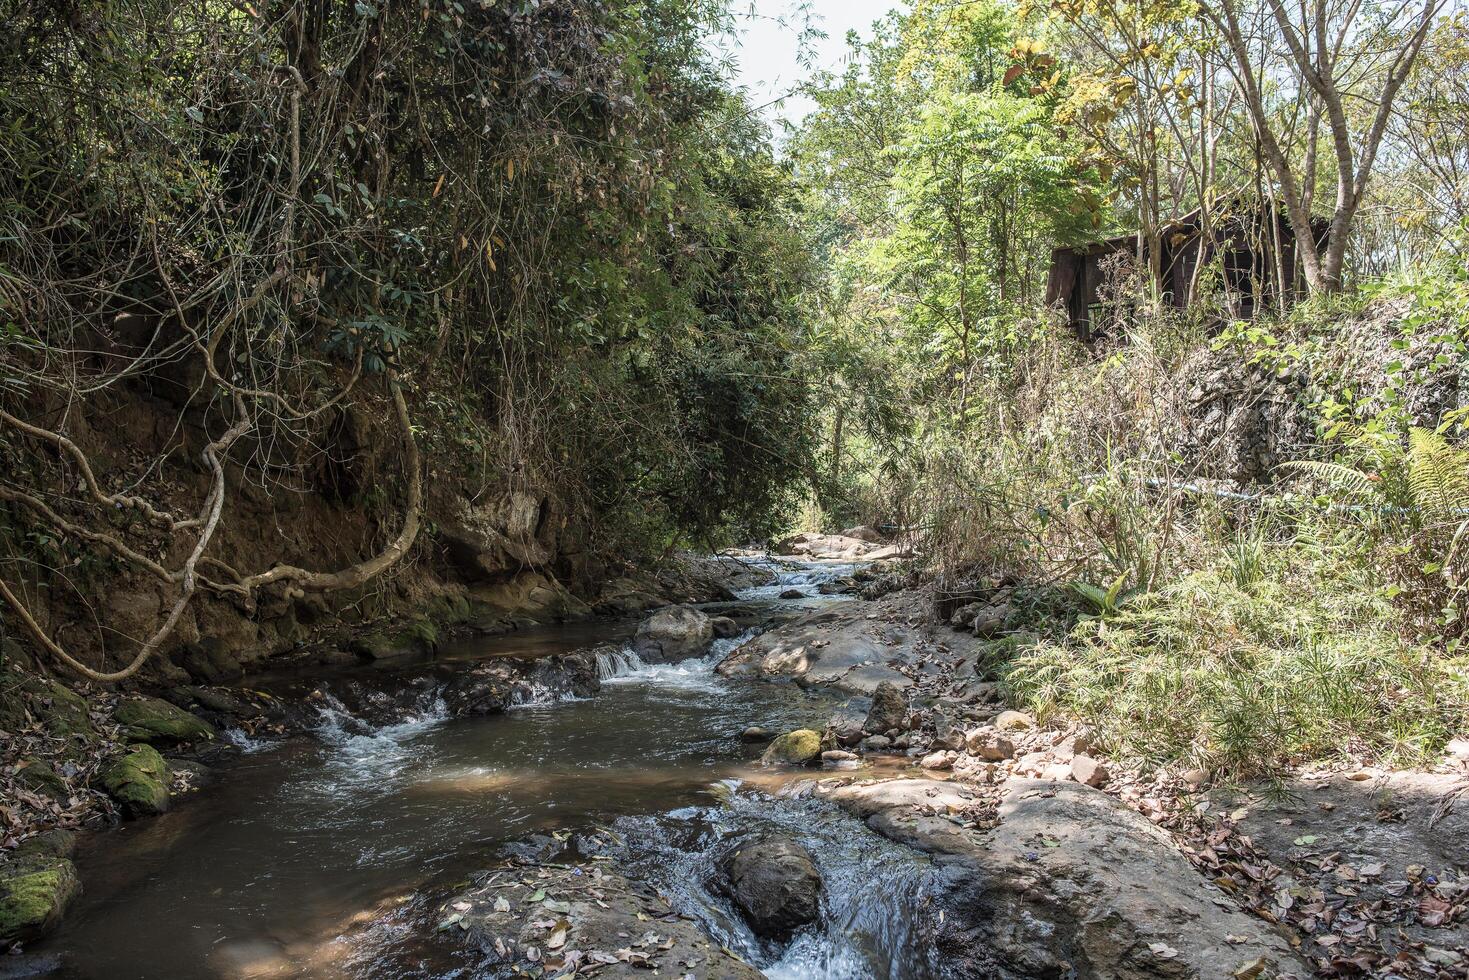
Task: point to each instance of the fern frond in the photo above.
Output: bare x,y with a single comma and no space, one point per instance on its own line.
1337,476
1437,474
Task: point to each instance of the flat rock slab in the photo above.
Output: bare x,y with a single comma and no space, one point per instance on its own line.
529,919
1056,879
853,647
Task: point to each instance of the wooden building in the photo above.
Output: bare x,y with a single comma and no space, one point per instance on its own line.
1255,246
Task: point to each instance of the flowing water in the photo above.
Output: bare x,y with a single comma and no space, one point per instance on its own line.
327,857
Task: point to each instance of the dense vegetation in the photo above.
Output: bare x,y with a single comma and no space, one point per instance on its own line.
1201,598
548,233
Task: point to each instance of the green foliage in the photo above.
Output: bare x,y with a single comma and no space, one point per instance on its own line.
1304,665
555,222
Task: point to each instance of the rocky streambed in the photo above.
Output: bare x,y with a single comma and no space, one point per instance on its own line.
800,783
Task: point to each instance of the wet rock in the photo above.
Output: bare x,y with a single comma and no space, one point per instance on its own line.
603,920
756,734
139,781
774,883
189,774
1092,772
724,627
55,843
490,688
889,709
793,594
1014,721
629,603
1069,883
673,633
835,756
153,720
797,748
35,890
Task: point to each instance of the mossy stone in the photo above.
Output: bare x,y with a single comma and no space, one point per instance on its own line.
139,781
29,700
34,893
55,843
798,748
451,610
39,777
418,638
153,720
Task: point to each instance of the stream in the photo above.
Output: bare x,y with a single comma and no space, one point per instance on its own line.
328,856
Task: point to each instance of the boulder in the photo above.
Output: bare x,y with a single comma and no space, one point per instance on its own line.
938,760
138,781
889,709
419,638
724,627
876,743
963,617
835,756
673,633
774,883
35,889
756,734
797,748
154,720
990,621
793,594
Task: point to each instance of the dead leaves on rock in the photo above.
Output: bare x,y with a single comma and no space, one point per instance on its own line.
532,920
1347,919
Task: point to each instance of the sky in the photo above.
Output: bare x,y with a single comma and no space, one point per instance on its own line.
768,59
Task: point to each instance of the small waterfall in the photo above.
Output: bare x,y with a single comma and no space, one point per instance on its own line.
245,742
619,663
806,576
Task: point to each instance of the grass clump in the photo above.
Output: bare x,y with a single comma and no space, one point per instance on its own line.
1244,674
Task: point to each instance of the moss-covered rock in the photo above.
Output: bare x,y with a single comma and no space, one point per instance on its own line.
34,893
39,777
419,638
54,843
798,748
138,781
451,610
29,700
154,720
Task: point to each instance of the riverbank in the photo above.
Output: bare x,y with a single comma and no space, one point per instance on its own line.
625,759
